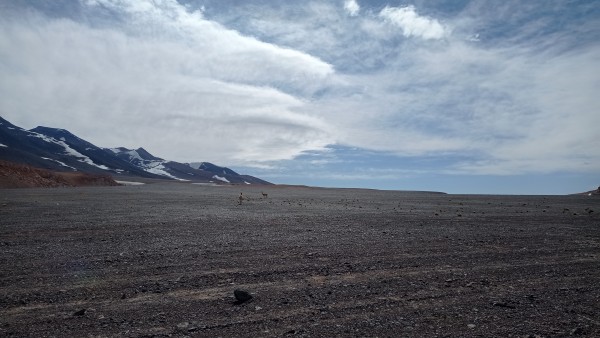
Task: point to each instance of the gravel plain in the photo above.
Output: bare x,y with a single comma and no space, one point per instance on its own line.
164,260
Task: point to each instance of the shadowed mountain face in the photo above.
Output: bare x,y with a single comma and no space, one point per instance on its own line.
59,150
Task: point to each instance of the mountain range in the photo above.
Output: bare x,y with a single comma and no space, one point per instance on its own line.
59,150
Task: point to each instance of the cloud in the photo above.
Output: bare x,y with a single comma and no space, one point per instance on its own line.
413,24
496,110
351,7
161,77
225,54
258,85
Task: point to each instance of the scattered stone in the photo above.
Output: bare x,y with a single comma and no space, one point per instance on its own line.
79,313
471,326
503,304
241,296
576,331
193,329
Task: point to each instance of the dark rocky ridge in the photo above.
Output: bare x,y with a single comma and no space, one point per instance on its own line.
14,175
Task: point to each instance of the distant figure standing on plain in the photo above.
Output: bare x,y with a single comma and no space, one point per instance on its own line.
241,198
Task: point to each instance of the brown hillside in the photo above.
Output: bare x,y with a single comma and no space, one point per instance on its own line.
15,175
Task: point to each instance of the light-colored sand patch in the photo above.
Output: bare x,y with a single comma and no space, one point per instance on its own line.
129,183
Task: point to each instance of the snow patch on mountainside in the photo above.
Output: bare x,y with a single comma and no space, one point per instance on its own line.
217,177
155,166
134,155
59,162
82,158
159,169
195,165
3,145
69,151
43,137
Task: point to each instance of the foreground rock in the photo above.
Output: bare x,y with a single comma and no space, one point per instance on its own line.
241,296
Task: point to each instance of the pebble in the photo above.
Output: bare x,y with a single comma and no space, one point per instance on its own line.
242,296
576,331
79,313
502,304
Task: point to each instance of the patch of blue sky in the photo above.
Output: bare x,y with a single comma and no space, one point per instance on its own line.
350,167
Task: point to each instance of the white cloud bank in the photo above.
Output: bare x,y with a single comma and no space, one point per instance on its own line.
188,88
162,77
413,24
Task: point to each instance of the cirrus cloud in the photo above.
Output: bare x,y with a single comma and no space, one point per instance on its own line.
164,78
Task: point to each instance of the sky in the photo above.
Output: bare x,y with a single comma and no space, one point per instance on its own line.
459,96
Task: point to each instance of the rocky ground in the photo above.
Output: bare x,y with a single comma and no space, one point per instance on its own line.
16,175
162,260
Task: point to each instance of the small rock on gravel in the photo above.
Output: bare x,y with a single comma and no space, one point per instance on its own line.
576,331
79,313
242,296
